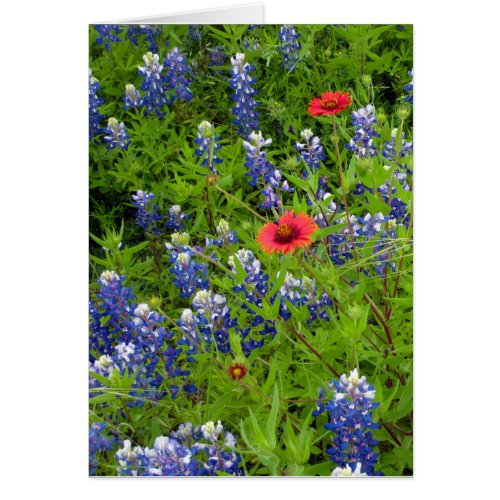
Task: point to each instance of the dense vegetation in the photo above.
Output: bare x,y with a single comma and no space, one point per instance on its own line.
250,250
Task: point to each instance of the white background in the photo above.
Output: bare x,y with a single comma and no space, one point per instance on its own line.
43,96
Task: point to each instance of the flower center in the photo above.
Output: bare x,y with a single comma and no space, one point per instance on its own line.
285,233
329,102
237,372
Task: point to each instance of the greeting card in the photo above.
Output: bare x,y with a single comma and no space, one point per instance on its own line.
250,212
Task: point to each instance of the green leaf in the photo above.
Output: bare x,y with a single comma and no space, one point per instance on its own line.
272,421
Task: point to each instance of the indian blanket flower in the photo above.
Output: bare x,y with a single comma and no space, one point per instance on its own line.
350,419
291,232
289,47
116,135
330,103
237,371
246,117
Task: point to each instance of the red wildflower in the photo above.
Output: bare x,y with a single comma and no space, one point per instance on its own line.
237,371
330,103
291,231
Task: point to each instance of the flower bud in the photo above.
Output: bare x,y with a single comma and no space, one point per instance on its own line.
181,239
381,117
206,129
366,80
403,112
212,179
155,302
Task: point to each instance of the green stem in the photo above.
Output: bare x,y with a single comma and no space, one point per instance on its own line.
344,192
242,203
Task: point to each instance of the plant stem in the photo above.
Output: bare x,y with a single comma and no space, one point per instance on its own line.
242,203
344,193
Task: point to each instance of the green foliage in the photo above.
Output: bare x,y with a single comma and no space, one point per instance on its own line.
370,326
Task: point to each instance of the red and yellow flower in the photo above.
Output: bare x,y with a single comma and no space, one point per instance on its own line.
291,232
330,103
237,371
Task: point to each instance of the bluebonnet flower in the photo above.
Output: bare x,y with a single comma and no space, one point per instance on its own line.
256,162
155,99
409,88
341,244
383,227
362,142
350,419
116,135
254,276
390,151
176,78
383,248
150,33
94,103
209,321
311,151
260,170
206,141
289,47
128,338
251,44
246,117
200,451
226,236
110,314
107,33
372,225
316,301
189,276
195,32
348,472
213,318
98,442
217,57
271,198
147,215
132,97
175,218
399,211
256,287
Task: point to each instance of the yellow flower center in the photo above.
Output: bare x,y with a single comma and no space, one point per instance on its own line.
329,103
237,372
285,233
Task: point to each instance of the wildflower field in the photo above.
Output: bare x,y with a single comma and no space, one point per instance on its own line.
250,271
